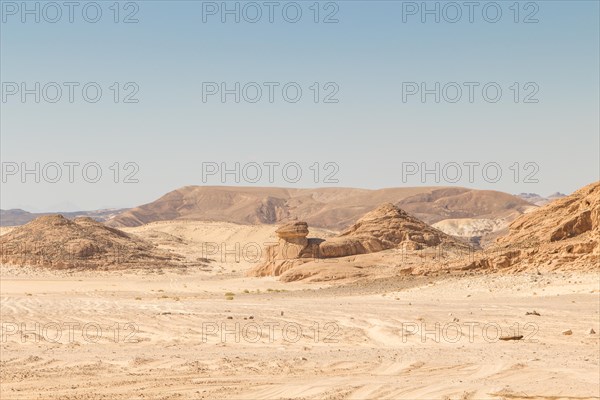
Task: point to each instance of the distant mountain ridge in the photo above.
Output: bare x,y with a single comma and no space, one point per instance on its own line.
16,217
538,200
329,208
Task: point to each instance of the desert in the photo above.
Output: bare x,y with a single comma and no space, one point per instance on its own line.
299,200
388,308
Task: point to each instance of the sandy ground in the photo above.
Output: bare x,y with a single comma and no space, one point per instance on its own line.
175,335
212,333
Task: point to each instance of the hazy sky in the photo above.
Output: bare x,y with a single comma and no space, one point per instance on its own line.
370,126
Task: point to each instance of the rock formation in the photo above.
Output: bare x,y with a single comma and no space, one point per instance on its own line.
384,228
56,242
562,234
292,242
293,245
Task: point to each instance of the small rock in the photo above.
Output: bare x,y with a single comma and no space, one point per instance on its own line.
532,313
516,337
282,313
567,332
455,319
251,317
230,317
591,331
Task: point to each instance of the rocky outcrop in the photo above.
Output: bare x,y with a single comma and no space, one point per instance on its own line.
292,248
392,226
56,242
293,243
384,228
562,234
574,227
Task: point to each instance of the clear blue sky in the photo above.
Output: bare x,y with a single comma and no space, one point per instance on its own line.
369,133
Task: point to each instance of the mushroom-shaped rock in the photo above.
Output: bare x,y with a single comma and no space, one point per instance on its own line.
293,230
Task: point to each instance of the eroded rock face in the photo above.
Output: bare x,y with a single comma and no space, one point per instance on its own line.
343,247
573,227
562,234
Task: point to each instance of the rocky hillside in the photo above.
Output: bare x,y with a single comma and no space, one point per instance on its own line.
384,228
563,234
56,242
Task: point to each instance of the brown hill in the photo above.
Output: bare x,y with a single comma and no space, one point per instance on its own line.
56,242
563,234
452,203
329,208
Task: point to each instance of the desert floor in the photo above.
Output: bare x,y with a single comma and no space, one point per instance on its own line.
175,335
